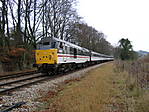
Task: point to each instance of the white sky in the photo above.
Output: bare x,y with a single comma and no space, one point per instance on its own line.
119,19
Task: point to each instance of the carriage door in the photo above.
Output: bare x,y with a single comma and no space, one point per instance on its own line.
66,53
75,53
62,52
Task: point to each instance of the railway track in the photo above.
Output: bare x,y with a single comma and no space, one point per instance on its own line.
19,80
17,74
15,81
12,82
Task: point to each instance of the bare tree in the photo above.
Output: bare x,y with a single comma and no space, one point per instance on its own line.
3,23
59,14
90,38
18,24
24,22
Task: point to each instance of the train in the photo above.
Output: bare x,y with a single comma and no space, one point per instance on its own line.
56,55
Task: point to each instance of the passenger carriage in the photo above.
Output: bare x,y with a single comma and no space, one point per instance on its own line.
54,54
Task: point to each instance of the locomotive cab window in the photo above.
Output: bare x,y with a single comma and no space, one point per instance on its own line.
53,45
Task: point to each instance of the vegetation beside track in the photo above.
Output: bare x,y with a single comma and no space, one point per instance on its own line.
104,89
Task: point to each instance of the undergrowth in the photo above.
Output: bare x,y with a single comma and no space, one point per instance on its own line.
137,83
114,87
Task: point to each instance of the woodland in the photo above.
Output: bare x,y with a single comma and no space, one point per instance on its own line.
24,22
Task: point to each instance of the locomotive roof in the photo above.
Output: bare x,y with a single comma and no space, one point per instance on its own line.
81,48
71,44
74,46
101,54
44,40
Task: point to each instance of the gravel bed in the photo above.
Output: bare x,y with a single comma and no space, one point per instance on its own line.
29,94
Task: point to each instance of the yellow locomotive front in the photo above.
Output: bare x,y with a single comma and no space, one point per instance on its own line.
48,56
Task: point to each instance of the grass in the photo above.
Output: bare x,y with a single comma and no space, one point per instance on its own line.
102,90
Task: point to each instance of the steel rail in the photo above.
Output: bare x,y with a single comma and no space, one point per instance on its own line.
17,75
20,80
16,105
42,78
25,84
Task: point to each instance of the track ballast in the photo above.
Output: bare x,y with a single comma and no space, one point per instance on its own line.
15,81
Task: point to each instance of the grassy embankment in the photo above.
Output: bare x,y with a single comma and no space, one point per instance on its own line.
104,89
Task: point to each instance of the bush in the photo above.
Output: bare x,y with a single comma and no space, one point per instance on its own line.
137,83
16,59
137,69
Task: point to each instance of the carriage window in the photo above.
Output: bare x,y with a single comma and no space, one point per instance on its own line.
68,49
71,50
53,45
46,43
65,49
80,52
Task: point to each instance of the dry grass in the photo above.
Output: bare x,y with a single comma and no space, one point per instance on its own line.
88,95
137,83
139,70
102,90
142,103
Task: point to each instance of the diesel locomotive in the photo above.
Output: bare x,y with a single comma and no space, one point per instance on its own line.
56,55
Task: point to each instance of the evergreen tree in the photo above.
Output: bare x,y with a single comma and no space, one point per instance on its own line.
126,50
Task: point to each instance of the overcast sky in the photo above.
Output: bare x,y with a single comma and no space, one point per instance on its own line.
119,19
